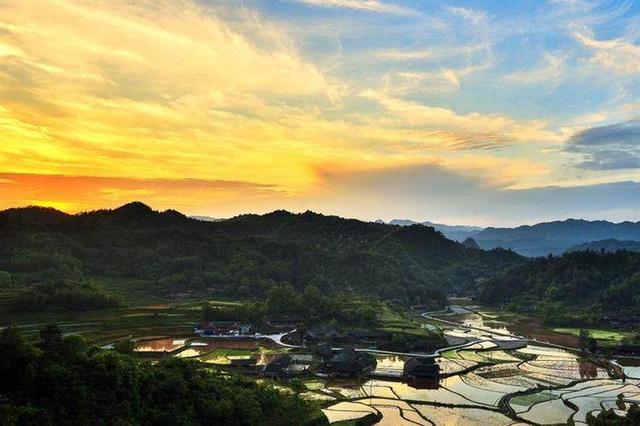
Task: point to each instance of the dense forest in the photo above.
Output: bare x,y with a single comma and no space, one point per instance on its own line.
50,258
577,288
63,381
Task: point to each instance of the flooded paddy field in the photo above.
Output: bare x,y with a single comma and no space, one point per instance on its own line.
490,375
497,379
159,345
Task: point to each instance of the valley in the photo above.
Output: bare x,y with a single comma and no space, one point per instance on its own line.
495,366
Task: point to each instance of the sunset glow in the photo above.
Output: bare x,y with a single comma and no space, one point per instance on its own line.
360,108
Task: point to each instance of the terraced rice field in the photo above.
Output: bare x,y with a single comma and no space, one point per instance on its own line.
489,383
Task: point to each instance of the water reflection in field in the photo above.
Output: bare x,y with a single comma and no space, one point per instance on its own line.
540,384
158,345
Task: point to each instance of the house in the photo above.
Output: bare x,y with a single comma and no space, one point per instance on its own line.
222,328
322,333
421,368
278,367
349,363
323,351
421,373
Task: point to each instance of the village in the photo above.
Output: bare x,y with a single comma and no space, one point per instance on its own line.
315,357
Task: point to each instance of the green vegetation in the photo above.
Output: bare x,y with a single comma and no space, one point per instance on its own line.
610,418
62,294
133,252
605,337
576,289
529,399
309,308
452,354
407,333
397,321
64,381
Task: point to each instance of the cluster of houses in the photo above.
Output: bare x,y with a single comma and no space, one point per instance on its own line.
327,333
286,366
223,328
420,372
324,360
340,363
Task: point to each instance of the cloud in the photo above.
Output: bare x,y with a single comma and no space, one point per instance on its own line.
471,131
474,16
433,192
444,79
611,147
551,70
197,92
403,55
169,90
364,5
80,193
617,55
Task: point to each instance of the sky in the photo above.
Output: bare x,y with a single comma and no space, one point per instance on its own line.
482,113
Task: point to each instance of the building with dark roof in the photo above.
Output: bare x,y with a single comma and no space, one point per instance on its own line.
278,367
349,363
421,368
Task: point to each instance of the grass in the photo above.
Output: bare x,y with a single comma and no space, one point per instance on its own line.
532,398
393,322
104,326
314,384
145,311
452,354
471,355
603,336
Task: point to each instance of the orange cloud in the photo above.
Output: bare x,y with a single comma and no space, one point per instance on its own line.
191,110
82,193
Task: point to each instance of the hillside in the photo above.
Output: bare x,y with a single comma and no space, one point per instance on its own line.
555,237
44,250
577,288
610,245
453,232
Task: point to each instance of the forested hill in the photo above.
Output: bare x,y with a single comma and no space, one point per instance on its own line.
576,288
244,257
611,245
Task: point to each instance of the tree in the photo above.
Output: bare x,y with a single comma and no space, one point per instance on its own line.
125,346
583,339
16,354
73,385
283,300
367,314
5,279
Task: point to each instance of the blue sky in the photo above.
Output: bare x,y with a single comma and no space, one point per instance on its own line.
489,113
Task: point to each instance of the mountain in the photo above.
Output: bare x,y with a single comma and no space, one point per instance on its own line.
610,245
471,243
555,237
453,232
577,288
242,257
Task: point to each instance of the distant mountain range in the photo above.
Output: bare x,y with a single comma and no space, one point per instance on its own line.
453,232
544,238
555,237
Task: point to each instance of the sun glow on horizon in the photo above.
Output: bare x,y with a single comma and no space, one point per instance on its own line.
224,108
